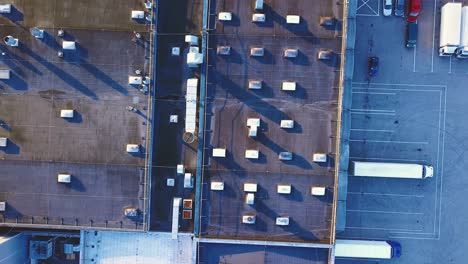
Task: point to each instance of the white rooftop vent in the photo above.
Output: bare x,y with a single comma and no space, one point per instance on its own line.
68,45
11,41
219,152
175,51
319,157
3,142
135,80
253,122
180,169
257,52
133,148
258,4
4,74
282,220
2,206
37,32
64,178
5,9
173,118
194,59
217,185
248,219
67,113
324,54
225,16
191,39
287,124
188,180
223,50
285,155
250,187
255,84
250,199
292,19
291,53
317,190
283,188
289,86
251,154
258,18
170,182
138,14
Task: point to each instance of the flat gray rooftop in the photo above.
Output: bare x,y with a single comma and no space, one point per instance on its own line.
313,107
91,146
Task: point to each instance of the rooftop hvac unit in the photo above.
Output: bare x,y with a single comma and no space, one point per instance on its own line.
64,178
291,53
4,74
250,198
11,41
68,45
191,39
285,156
289,86
250,187
2,206
223,50
287,123
67,113
324,54
248,219
282,220
257,52
5,9
137,14
258,5
252,154
175,51
327,21
37,32
180,169
219,152
194,59
319,157
255,84
217,186
188,180
133,148
225,16
135,80
258,18
283,188
3,142
292,19
170,182
317,190
39,249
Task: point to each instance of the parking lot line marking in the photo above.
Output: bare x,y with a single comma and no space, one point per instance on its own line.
389,141
402,90
370,113
414,59
433,34
375,93
372,130
450,64
382,228
412,160
400,84
387,194
383,212
373,110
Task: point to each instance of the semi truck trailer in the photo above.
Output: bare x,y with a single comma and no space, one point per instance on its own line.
367,249
462,51
391,170
450,24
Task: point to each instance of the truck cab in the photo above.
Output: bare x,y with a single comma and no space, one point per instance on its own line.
413,10
411,34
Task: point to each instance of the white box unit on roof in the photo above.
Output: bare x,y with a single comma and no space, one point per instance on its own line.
292,19
253,122
250,187
285,155
5,8
135,80
317,190
191,105
64,178
67,113
291,53
248,219
137,14
2,206
173,119
180,169
3,142
133,148
258,4
170,182
194,59
68,45
251,154
188,180
253,131
175,51
175,216
191,39
4,74
283,188
282,220
217,185
289,86
225,16
250,199
219,152
258,18
255,84
223,50
257,52
286,123
319,157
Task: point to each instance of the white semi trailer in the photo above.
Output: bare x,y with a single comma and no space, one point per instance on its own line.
450,24
462,51
367,249
392,170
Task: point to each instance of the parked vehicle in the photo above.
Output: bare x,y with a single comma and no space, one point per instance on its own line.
367,249
450,28
462,51
387,7
411,34
413,10
373,66
400,8
392,170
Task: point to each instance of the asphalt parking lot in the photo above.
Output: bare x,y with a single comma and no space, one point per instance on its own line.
412,111
93,81
230,103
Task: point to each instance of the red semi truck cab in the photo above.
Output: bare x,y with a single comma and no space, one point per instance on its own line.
414,8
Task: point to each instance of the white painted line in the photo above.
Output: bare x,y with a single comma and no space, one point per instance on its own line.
450,64
387,159
375,93
370,113
373,110
382,228
414,59
420,238
392,89
402,84
434,14
387,194
371,130
383,212
389,141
